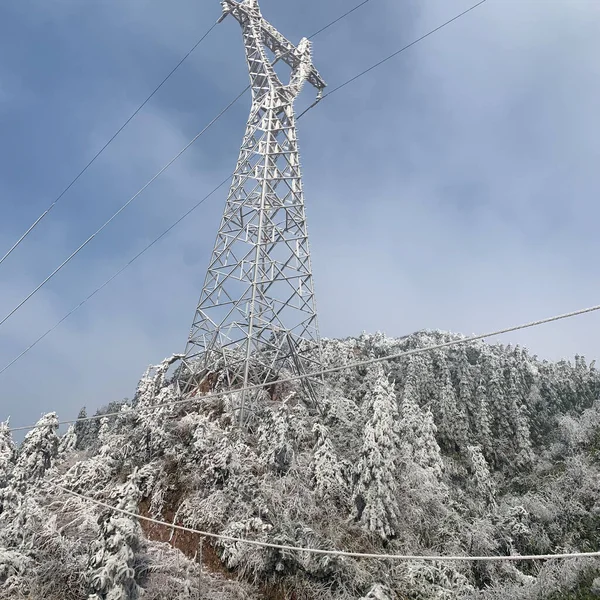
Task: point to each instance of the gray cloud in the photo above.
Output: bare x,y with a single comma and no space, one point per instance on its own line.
453,188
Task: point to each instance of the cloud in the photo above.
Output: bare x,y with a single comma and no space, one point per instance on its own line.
459,200
453,188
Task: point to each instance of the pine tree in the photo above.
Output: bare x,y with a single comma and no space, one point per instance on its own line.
497,400
420,473
280,434
152,382
7,447
525,454
112,574
483,478
105,438
68,442
328,471
373,453
467,386
7,461
417,433
83,429
452,423
519,422
21,513
484,422
37,452
153,406
375,494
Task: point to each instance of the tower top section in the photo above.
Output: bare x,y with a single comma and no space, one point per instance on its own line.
298,58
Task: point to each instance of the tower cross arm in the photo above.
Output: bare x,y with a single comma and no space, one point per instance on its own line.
277,43
288,53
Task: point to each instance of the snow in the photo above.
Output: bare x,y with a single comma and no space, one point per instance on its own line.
476,450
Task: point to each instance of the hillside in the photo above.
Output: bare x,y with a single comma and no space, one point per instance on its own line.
476,449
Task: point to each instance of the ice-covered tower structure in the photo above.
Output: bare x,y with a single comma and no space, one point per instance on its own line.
257,313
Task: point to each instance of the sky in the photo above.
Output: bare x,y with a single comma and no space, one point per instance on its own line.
456,187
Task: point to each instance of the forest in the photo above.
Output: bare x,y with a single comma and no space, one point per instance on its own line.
476,449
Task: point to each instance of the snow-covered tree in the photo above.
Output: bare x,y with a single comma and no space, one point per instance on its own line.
7,459
279,435
13,565
328,470
417,433
37,452
111,573
467,386
421,468
85,430
483,422
434,581
105,438
517,418
92,475
484,483
7,447
294,473
68,442
379,592
153,403
376,503
153,380
238,555
452,420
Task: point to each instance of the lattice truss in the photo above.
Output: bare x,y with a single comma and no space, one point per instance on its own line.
257,312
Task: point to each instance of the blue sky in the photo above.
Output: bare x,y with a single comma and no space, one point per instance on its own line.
454,188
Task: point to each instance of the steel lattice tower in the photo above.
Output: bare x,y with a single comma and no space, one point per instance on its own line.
257,312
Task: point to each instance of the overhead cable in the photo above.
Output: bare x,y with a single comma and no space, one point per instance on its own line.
115,215
110,279
335,21
337,369
106,145
339,553
393,55
349,12
133,115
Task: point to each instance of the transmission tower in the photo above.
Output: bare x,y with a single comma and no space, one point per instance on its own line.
257,312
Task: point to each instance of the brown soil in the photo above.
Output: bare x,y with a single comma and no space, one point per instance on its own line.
190,543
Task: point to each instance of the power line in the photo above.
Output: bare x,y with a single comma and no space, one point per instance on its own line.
110,141
330,24
110,279
134,114
393,55
338,19
340,553
345,367
314,374
115,215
